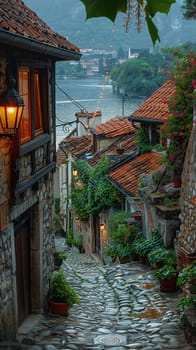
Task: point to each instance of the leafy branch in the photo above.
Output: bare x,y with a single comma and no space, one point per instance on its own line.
110,9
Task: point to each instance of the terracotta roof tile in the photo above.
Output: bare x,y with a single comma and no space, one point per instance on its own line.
126,176
155,107
129,146
60,158
77,145
114,127
18,19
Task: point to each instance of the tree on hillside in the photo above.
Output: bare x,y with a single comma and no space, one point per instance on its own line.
140,76
190,9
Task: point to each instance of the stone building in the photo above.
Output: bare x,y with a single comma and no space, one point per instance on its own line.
28,52
186,241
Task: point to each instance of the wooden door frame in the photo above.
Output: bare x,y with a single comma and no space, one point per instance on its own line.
23,275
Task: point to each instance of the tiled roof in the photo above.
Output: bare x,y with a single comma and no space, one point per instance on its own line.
18,20
77,145
128,145
155,107
114,127
126,176
60,157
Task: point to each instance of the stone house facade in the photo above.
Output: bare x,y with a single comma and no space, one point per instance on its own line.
28,51
186,239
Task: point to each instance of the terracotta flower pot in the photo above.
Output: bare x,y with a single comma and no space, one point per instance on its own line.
58,308
177,182
168,285
124,260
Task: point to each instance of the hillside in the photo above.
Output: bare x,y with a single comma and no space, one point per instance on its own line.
68,18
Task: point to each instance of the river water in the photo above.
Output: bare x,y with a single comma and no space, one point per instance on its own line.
91,94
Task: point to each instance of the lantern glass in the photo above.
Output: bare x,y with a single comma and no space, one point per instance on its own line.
75,173
11,108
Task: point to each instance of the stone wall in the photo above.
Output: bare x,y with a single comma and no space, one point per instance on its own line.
7,315
38,202
187,236
41,207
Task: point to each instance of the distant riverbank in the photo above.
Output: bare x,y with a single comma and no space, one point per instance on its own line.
90,94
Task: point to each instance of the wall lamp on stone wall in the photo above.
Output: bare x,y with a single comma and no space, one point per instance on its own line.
74,173
11,109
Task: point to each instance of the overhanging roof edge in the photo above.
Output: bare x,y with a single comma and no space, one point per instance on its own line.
33,45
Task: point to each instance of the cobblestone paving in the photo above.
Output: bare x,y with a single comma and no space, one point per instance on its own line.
121,308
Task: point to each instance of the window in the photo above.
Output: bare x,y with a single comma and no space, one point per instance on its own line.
24,91
37,105
33,89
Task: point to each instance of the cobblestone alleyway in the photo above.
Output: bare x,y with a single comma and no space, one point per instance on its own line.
121,308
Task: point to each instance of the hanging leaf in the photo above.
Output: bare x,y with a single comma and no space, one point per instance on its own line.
102,8
152,30
154,6
109,9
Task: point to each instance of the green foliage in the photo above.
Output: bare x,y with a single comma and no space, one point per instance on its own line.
148,9
188,275
179,124
60,290
79,194
58,220
186,302
163,256
166,272
135,249
143,246
116,219
78,242
60,255
142,141
69,240
121,235
96,193
141,76
189,9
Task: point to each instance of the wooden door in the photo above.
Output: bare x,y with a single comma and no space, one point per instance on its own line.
97,234
23,269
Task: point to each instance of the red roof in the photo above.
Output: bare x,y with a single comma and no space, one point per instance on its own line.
126,176
74,144
18,19
128,145
60,157
114,127
156,106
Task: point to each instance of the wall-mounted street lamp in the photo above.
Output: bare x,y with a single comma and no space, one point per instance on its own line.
74,173
11,108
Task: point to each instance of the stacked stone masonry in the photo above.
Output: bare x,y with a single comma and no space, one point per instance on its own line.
187,236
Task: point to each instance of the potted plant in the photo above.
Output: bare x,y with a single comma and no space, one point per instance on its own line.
162,256
61,294
137,215
143,246
78,243
187,301
187,278
120,148
123,253
121,236
59,257
167,276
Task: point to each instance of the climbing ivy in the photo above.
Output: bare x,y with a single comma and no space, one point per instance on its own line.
79,194
96,192
142,141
